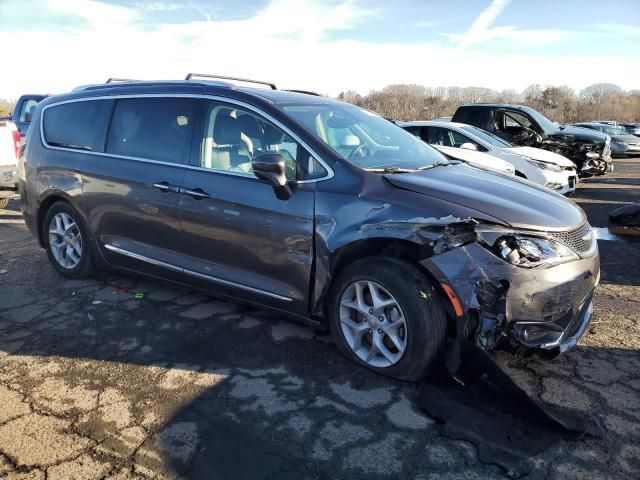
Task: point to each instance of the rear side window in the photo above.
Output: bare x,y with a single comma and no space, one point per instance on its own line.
77,125
152,128
26,112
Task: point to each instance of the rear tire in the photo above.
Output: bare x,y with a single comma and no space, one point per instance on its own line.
4,202
67,241
358,328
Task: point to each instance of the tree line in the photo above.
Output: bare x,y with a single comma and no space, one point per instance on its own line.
6,107
601,101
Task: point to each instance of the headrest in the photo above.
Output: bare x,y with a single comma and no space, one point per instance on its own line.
273,135
226,130
249,126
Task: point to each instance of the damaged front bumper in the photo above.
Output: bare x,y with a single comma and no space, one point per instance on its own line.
542,308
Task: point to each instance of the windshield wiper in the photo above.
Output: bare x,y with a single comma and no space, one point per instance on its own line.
390,170
436,164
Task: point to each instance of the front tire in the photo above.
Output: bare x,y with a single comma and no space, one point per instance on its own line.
67,241
385,315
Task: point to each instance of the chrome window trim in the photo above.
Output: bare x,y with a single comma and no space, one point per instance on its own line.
175,268
330,172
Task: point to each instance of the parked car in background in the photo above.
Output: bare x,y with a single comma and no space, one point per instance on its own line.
520,125
632,128
540,166
23,111
445,142
622,142
10,145
312,207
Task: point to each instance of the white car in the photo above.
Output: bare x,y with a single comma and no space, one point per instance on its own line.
539,166
9,152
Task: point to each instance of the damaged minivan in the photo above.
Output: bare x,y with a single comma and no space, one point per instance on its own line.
310,207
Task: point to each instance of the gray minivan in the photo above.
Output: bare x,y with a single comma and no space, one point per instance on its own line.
311,207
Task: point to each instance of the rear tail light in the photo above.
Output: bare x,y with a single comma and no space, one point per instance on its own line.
17,142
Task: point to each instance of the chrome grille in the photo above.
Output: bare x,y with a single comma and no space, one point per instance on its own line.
579,240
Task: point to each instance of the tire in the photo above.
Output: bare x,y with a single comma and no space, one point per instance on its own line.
4,202
84,265
424,317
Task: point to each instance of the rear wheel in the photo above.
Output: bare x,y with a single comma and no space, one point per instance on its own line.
384,314
66,241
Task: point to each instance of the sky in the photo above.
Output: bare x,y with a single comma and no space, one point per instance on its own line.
328,46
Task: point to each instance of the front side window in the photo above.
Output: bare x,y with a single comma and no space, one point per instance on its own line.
152,128
77,125
516,119
234,136
363,138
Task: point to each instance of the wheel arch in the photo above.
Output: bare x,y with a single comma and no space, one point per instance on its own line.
45,204
396,248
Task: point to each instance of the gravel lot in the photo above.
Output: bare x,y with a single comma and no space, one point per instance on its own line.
95,383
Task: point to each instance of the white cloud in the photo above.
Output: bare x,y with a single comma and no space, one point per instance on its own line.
479,28
287,42
618,29
160,6
481,31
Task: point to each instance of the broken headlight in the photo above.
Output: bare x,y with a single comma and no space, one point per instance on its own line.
524,250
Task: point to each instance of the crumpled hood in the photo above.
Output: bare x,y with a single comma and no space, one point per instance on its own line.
542,155
518,202
580,133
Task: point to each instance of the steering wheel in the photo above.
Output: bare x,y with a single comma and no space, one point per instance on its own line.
361,150
533,137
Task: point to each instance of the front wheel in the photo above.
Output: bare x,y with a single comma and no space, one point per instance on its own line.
66,241
385,315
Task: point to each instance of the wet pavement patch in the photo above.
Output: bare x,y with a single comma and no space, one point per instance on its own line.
484,406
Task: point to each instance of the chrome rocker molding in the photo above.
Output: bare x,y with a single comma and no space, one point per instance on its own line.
175,268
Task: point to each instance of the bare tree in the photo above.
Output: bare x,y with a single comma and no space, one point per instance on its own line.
560,103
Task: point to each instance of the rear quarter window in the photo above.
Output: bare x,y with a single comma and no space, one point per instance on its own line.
77,125
152,128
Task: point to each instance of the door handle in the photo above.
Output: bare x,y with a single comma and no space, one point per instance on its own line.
166,187
196,193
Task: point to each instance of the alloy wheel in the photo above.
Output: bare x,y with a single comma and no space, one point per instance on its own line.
65,240
373,324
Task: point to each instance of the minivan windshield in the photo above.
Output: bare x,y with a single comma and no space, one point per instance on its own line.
490,138
363,138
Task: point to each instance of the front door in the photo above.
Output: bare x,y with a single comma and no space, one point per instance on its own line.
237,236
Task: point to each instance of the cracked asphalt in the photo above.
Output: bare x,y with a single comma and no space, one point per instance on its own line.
96,383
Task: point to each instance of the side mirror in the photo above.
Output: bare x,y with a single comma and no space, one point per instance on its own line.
469,146
270,167
27,117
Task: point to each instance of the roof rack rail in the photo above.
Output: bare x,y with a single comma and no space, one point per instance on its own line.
190,76
116,79
306,92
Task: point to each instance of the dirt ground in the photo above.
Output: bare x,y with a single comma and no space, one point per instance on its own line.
96,383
